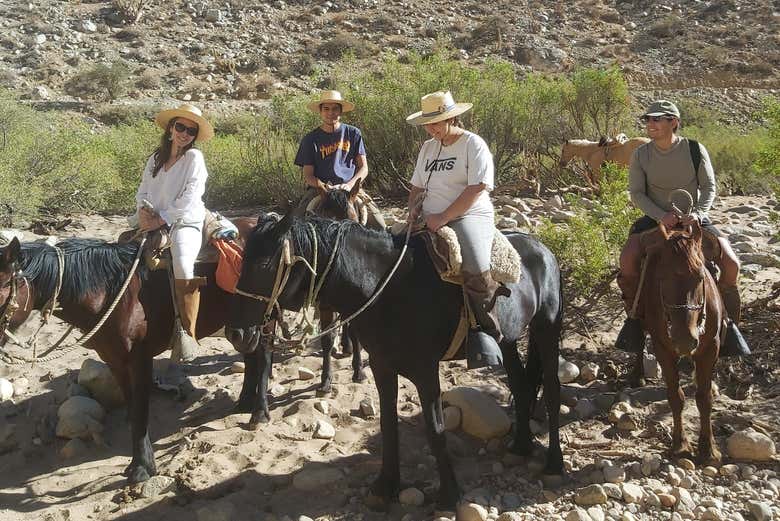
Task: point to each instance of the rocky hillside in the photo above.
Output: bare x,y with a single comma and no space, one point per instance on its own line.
725,52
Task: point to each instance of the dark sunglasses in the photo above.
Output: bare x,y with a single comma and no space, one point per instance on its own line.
181,127
656,119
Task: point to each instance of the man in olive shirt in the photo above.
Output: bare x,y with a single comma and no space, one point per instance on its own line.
657,168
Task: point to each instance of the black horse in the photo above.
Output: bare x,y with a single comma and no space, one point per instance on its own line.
409,327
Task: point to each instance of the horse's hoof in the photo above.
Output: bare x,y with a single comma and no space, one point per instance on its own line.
324,388
552,480
710,458
683,451
138,474
242,407
359,377
258,419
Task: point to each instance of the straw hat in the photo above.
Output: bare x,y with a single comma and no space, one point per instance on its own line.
191,112
331,96
437,106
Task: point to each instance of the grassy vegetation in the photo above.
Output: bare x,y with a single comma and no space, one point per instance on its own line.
50,163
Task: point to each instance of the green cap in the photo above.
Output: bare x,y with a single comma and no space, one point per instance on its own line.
662,107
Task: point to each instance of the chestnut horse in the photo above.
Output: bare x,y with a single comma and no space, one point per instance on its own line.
596,153
136,331
683,313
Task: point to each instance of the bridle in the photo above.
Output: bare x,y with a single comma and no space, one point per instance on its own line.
287,261
702,306
11,304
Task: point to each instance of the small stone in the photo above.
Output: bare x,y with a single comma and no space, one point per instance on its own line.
711,514
650,367
323,406
304,373
632,493
511,516
627,516
6,390
612,490
589,372
367,407
614,474
596,513
567,372
591,495
309,480
277,390
750,445
88,26
471,512
729,470
411,496
73,449
324,430
157,485
40,92
237,367
667,500
98,378
683,497
628,422
709,471
618,410
760,510
651,463
686,464
578,514
482,417
39,39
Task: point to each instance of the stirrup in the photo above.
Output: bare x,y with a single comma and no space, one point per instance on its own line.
734,343
184,348
482,350
631,337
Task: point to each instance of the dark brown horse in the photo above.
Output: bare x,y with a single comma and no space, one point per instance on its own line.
683,313
137,330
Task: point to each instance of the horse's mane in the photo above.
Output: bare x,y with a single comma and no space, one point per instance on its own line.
336,198
91,266
685,247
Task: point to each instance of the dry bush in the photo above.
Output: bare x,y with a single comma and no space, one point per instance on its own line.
264,85
149,79
384,23
397,41
666,27
492,31
343,43
131,10
104,81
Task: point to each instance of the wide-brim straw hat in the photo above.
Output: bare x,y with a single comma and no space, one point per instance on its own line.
437,106
331,96
191,112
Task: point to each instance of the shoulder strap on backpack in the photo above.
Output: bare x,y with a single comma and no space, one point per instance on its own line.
695,156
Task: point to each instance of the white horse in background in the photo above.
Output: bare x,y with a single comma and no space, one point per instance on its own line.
596,153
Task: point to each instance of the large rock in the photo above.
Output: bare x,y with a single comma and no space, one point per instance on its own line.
324,430
80,417
309,480
98,379
632,493
411,496
157,485
481,415
471,512
767,260
567,371
750,445
591,495
6,390
760,510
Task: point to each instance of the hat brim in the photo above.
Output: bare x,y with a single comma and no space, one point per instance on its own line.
660,114
418,119
205,129
346,106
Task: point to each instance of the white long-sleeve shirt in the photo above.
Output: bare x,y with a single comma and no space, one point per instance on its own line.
176,194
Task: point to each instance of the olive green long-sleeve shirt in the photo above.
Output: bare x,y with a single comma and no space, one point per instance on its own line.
654,174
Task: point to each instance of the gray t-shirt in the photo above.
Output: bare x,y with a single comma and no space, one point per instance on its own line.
654,174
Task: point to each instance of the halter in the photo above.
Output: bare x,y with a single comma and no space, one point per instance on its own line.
692,307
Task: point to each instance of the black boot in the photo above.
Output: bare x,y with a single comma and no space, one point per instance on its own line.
482,345
734,343
631,337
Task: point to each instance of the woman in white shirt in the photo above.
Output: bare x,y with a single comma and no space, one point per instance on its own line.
453,177
171,194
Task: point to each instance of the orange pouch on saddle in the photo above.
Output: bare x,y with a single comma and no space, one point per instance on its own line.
229,264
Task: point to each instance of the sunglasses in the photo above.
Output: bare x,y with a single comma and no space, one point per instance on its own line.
180,127
656,119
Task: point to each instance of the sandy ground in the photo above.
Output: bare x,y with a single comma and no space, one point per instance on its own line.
224,469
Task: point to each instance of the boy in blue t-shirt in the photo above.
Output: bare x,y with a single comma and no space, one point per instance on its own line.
333,155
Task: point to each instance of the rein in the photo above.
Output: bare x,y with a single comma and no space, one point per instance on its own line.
49,308
286,263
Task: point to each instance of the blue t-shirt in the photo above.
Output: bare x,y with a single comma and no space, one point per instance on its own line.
332,153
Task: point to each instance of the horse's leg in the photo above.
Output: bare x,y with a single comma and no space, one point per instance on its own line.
346,341
358,374
522,390
248,394
260,410
636,378
430,399
387,484
326,320
544,339
142,466
705,360
676,397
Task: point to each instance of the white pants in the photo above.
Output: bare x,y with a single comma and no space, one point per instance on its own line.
475,235
186,240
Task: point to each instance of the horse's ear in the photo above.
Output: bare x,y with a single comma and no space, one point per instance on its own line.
355,189
283,226
11,252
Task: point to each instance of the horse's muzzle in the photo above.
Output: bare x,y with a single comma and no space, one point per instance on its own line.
245,341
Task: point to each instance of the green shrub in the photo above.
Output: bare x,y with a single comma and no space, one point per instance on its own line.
768,161
103,81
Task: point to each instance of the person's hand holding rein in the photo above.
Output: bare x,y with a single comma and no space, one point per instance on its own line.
148,220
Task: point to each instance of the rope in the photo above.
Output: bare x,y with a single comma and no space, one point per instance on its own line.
17,359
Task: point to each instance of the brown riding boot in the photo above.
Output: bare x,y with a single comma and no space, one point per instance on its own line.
631,337
483,345
187,302
734,343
